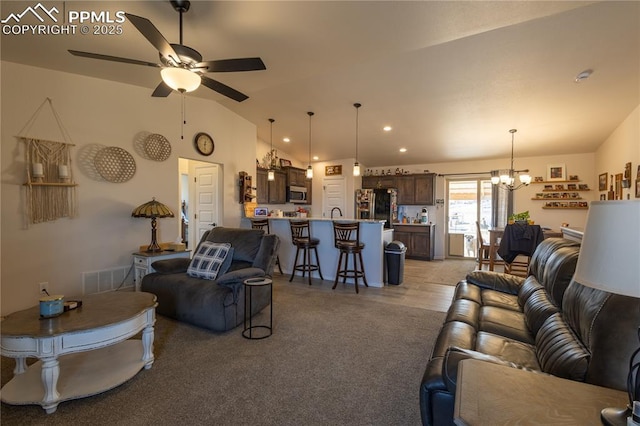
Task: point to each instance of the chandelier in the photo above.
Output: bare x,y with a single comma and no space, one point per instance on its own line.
506,179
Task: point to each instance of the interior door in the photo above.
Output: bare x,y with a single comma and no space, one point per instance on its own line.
334,195
206,201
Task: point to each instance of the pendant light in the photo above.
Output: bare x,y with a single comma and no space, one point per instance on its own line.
506,179
356,165
271,174
310,169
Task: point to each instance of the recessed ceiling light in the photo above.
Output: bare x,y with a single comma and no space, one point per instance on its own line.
286,140
387,128
315,157
403,149
583,75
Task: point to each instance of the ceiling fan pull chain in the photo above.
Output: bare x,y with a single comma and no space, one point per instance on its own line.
184,119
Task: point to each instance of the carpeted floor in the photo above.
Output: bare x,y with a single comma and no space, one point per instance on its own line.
334,358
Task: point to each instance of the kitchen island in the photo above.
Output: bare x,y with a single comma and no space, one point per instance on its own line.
372,234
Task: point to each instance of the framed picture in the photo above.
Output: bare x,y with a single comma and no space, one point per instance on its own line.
261,212
618,186
556,172
572,186
284,163
332,170
538,179
602,182
638,188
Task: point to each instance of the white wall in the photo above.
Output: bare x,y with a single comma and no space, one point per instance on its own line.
621,147
101,113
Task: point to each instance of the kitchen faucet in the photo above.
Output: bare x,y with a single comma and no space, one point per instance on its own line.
336,208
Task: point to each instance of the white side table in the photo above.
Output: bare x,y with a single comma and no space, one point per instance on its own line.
142,262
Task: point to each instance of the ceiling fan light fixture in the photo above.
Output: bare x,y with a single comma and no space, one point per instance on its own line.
180,79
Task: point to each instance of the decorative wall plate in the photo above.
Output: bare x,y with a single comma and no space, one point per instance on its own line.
157,147
115,164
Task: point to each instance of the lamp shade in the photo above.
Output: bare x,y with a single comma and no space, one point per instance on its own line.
610,252
152,209
180,79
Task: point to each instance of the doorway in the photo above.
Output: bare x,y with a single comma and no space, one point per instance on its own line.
333,195
200,199
469,201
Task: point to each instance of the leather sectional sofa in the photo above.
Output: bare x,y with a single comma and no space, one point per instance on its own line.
217,305
547,322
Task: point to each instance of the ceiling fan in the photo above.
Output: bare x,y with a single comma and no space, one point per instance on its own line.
182,67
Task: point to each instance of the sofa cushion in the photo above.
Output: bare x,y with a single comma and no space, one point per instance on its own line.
246,242
210,260
519,353
505,323
537,309
559,351
499,299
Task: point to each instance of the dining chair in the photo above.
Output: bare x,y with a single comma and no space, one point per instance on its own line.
484,249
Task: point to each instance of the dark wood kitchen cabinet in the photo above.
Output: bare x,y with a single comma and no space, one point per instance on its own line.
373,182
274,192
418,239
416,189
425,189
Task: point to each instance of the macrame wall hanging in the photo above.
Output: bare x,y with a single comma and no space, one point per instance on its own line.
51,191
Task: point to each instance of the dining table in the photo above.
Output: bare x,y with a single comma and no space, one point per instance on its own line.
497,232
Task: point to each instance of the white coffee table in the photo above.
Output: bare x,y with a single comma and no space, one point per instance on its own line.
82,352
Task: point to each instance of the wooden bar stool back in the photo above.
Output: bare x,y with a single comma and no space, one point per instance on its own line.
347,239
301,238
264,225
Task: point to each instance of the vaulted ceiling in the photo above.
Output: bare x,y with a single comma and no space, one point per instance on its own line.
450,77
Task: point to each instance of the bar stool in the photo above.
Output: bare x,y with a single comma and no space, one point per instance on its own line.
343,234
262,224
301,238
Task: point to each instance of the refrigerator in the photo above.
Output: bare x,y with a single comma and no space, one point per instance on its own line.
381,204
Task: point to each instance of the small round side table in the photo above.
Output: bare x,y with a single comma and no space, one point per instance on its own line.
249,285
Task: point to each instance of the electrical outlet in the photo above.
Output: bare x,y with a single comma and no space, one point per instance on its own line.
44,288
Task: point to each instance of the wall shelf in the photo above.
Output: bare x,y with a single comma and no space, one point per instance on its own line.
564,208
556,199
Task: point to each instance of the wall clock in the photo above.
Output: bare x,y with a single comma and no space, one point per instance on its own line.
204,143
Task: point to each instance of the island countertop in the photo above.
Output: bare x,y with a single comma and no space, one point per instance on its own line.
372,234
324,219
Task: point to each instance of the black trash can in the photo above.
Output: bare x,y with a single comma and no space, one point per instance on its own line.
394,254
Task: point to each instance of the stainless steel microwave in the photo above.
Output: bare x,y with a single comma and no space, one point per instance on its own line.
297,194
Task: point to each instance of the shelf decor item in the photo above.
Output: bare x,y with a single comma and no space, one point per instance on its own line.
152,210
51,192
556,172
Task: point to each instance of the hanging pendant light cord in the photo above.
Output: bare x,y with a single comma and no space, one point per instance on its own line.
357,105
310,115
271,166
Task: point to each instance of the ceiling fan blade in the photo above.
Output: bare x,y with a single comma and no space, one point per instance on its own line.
162,91
223,89
232,65
154,36
112,58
